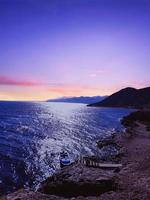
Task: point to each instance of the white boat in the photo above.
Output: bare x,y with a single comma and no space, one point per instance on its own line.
64,159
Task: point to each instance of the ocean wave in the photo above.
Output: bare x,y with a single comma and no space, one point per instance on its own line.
33,134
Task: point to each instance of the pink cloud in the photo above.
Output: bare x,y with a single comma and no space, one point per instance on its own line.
4,80
73,90
65,90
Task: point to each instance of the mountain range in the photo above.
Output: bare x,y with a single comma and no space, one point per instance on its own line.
81,99
127,97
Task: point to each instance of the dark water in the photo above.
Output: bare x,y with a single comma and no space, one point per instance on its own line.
33,134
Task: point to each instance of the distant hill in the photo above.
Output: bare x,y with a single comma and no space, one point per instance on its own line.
128,97
82,99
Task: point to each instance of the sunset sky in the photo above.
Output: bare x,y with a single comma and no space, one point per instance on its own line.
54,48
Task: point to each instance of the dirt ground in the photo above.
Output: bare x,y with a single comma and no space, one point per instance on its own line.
134,178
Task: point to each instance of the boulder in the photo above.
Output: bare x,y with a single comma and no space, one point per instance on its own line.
79,180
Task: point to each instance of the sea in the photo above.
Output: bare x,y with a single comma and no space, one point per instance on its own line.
32,134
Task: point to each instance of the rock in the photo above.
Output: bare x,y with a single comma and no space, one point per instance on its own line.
109,141
79,180
110,149
29,195
131,120
103,143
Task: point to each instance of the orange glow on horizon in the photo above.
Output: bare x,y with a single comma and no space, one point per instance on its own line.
13,89
45,92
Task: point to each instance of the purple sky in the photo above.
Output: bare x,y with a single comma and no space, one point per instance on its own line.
52,48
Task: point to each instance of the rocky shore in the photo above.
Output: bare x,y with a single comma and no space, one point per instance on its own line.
78,181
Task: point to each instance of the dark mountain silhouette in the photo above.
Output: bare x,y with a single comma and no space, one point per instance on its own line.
82,99
128,97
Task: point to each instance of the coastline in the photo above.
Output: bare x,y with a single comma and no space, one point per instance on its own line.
130,182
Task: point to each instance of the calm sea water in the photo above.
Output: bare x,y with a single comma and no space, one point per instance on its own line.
33,134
